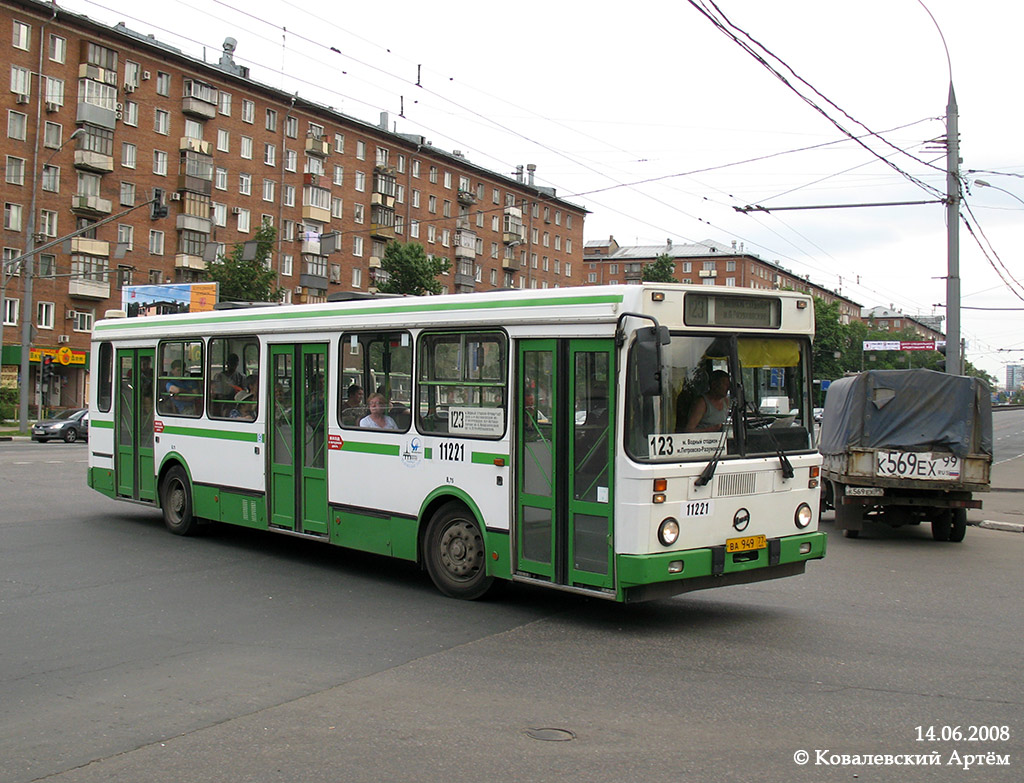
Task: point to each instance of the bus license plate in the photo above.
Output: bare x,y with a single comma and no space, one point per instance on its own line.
746,544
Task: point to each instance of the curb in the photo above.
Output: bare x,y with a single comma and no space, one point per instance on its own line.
1010,527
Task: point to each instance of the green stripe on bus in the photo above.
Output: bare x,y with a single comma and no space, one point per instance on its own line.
362,447
201,432
484,458
100,424
418,307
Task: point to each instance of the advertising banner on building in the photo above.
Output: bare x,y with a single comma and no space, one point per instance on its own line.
143,300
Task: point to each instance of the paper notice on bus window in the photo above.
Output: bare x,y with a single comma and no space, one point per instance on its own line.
476,421
683,445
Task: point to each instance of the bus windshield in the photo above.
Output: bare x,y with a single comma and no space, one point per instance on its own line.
721,396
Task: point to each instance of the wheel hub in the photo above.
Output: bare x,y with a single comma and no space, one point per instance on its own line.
461,552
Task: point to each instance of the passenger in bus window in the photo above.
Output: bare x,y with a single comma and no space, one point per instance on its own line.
709,411
352,410
229,382
377,418
180,390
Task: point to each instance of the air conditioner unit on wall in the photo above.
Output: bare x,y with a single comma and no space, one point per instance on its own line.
52,107
22,98
236,210
129,87
70,315
174,196
145,76
63,338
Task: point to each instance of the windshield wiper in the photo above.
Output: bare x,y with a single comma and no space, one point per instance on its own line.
709,470
787,467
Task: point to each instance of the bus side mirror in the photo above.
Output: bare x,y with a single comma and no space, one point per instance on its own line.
648,359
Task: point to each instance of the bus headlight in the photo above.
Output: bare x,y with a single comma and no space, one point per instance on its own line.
668,531
802,518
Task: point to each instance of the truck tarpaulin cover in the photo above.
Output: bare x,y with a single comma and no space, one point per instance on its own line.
908,410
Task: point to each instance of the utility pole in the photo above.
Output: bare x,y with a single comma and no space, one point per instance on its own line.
954,355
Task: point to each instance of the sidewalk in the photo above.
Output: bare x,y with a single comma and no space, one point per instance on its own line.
1003,506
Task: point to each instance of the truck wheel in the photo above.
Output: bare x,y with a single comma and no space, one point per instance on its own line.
942,524
959,529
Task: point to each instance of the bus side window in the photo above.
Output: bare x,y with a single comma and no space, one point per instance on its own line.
375,367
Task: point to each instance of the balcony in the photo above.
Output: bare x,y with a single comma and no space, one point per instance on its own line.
319,214
185,222
189,144
90,247
374,262
97,74
195,184
318,146
94,161
89,206
316,283
311,244
464,284
467,197
189,261
382,200
512,238
511,264
198,108
382,231
83,288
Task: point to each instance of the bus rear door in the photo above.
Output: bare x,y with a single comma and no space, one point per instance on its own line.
134,420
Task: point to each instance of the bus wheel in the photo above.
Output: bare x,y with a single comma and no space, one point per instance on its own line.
959,529
454,553
942,525
176,501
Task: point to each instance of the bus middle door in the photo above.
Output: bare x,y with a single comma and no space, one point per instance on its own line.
134,421
564,447
298,438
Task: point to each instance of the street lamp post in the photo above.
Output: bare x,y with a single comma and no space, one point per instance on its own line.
28,268
983,184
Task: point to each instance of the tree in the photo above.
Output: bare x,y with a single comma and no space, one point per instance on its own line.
410,270
661,270
243,280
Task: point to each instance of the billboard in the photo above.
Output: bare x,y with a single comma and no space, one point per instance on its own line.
143,300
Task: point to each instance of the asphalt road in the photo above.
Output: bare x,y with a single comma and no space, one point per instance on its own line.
128,654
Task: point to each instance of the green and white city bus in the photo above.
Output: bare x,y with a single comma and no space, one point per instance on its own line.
543,437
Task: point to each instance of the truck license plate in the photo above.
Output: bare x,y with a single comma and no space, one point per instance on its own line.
918,465
746,544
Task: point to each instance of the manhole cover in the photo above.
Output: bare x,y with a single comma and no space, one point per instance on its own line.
550,735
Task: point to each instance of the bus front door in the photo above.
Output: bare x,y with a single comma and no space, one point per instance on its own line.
298,438
564,431
134,416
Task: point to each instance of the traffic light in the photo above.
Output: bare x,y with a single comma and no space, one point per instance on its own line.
158,206
47,368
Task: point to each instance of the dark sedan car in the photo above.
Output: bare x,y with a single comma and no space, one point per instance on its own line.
69,425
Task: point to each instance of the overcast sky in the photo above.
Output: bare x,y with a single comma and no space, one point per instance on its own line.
653,119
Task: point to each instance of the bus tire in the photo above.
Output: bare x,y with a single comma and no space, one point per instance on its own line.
454,553
959,529
176,502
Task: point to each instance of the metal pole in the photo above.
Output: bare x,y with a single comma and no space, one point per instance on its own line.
954,356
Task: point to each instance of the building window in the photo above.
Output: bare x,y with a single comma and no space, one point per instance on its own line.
291,160
339,175
220,178
220,214
357,246
271,120
16,124
48,222
339,142
268,190
12,216
128,152
11,307
246,150
289,195
58,48
291,127
360,181
360,150
224,103
127,194
54,91
156,243
15,170
44,315
357,277
163,83
162,122
126,236
131,113
270,154
223,141
245,184
21,80
248,111
243,221
22,36
358,213
160,163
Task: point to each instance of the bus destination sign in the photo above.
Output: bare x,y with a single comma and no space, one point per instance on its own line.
733,311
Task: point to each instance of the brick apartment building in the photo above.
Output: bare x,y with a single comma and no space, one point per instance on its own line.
98,117
889,319
705,263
